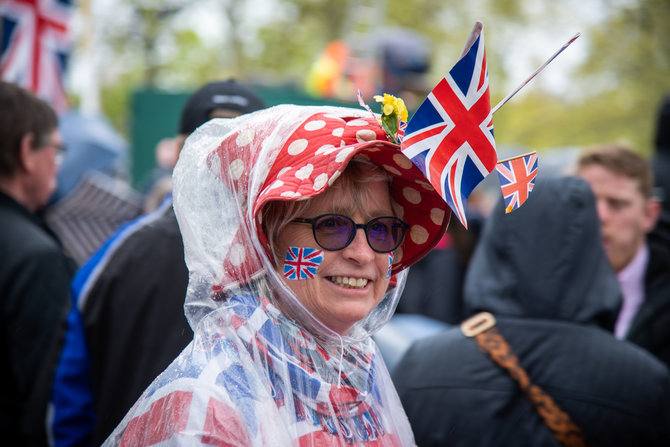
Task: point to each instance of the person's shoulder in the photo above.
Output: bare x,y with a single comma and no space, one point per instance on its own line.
435,349
621,356
137,237
24,237
659,259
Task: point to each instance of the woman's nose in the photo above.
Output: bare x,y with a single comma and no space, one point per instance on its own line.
359,249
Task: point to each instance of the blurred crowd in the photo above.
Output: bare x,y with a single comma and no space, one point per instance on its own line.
549,325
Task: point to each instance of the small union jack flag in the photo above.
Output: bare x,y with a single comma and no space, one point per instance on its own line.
402,127
450,136
390,267
35,46
517,179
302,262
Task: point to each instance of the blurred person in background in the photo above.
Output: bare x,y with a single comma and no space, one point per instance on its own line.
127,323
34,272
542,363
660,165
622,183
93,198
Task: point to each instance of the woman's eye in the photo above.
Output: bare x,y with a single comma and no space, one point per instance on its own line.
379,227
327,223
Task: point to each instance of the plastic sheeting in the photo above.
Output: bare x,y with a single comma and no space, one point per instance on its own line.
262,369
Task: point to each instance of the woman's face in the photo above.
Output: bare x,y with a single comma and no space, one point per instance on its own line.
349,283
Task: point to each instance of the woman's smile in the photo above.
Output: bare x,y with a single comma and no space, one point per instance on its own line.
348,282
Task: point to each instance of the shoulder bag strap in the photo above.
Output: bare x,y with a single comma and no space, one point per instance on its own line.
482,328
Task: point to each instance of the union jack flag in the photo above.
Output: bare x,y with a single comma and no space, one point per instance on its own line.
402,127
35,46
389,270
517,179
450,136
302,262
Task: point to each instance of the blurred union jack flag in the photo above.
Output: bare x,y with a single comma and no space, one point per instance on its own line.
517,179
35,46
402,127
450,136
302,262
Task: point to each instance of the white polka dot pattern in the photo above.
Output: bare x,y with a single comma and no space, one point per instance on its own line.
297,146
412,195
304,172
314,156
236,169
365,135
402,161
418,234
236,255
320,181
315,125
437,216
245,137
392,170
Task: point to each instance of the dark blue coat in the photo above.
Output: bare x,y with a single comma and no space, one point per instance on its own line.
542,272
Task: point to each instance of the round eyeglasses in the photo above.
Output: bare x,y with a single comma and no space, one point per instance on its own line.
334,231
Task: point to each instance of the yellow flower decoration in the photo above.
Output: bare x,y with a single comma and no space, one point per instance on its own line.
393,111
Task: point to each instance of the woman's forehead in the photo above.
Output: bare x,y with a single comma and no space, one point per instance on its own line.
372,199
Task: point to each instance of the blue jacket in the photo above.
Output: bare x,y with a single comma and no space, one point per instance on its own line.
126,325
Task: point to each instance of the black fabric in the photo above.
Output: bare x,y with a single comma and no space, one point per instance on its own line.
434,286
134,319
650,327
542,272
229,95
660,165
34,287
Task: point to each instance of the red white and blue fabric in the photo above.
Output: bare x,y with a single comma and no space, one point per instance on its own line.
517,179
35,46
302,262
213,398
450,136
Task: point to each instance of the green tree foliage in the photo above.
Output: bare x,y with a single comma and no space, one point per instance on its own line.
613,96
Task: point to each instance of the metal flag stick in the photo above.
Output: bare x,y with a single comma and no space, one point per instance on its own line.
523,84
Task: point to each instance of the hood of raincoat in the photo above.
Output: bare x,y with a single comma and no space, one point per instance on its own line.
545,259
230,168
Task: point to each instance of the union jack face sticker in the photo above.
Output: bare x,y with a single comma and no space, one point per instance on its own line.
388,270
302,262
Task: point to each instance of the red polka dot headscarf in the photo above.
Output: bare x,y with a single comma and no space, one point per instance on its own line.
319,150
294,153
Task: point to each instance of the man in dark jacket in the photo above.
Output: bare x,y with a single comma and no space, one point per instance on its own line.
622,181
542,272
34,272
128,323
660,165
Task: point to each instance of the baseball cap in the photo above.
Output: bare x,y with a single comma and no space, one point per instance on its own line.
230,95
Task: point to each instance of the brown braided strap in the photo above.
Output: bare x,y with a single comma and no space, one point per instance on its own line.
491,342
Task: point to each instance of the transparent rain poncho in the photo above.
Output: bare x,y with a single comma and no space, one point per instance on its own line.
255,375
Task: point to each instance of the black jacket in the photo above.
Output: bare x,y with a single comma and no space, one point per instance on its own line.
542,272
650,327
134,318
34,283
130,299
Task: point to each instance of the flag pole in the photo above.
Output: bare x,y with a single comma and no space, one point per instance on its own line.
535,73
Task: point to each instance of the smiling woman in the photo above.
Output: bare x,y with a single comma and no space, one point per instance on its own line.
298,223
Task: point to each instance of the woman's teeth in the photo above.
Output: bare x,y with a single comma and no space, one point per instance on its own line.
346,281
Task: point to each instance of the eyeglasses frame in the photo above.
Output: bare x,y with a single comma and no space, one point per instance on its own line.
364,226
